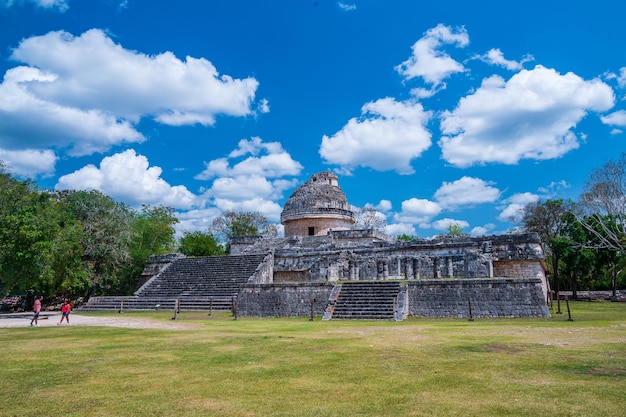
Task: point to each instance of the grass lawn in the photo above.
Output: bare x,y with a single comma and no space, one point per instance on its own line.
295,367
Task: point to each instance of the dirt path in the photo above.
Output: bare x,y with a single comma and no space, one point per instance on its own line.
51,319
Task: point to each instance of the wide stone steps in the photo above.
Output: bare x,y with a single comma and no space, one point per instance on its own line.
366,300
197,283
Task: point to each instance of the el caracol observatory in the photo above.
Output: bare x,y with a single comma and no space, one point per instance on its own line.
317,207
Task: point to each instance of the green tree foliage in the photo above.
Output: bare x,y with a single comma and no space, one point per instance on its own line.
547,219
75,242
406,238
454,229
26,231
105,238
152,234
200,244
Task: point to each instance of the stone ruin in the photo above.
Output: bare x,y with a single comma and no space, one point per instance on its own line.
325,267
321,251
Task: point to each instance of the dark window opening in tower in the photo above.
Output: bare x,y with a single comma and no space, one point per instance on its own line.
311,231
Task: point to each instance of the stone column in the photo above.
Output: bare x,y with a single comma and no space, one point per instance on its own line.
408,268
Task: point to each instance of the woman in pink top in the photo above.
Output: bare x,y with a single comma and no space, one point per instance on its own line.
65,312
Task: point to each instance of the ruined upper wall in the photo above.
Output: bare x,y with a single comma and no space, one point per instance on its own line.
317,206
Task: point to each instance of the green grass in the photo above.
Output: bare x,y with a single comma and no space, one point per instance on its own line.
295,367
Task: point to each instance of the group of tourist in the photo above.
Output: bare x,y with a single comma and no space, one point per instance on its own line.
37,306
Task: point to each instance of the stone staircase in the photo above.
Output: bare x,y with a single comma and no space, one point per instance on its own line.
201,283
365,300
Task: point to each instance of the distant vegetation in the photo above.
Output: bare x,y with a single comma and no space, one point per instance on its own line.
84,243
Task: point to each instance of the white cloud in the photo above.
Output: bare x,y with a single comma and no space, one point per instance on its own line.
416,211
466,191
346,7
251,178
382,206
93,72
267,159
397,229
444,223
389,135
128,177
621,78
82,131
529,117
617,118
510,210
88,93
553,189
428,61
496,57
483,230
270,209
61,5
29,163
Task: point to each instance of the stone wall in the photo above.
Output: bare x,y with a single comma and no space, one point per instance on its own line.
321,225
283,300
497,297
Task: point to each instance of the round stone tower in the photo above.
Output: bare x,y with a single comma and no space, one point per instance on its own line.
316,207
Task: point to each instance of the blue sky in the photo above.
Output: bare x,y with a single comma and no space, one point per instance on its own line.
431,112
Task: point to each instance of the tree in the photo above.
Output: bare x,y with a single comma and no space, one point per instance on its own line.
547,220
200,244
604,201
454,229
27,228
369,218
406,238
107,229
246,223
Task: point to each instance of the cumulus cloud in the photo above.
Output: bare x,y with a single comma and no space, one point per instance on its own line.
496,57
621,78
60,5
83,131
251,178
88,93
554,188
128,177
267,159
91,71
483,230
29,163
466,191
388,136
443,224
512,206
617,118
531,116
397,229
429,61
382,206
346,7
417,211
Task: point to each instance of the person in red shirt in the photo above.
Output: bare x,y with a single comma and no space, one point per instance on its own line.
65,312
36,310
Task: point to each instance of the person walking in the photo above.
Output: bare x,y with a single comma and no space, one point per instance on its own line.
36,310
65,312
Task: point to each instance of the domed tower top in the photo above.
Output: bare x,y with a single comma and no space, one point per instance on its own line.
316,207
